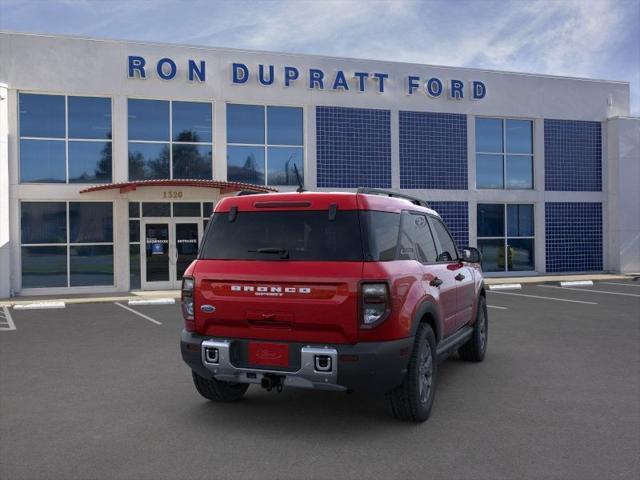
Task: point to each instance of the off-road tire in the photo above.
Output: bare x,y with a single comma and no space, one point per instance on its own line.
409,401
218,391
476,347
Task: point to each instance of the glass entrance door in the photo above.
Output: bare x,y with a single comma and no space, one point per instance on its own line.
157,255
187,239
170,246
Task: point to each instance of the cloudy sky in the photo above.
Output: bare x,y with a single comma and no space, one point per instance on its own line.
583,38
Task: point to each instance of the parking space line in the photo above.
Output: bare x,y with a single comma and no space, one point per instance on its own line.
497,307
8,324
138,313
591,290
545,298
622,284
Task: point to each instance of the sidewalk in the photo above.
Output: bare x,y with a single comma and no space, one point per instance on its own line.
92,298
175,294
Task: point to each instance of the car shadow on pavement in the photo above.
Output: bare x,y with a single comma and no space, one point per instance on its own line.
296,411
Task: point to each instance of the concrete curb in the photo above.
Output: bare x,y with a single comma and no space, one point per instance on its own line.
39,305
153,301
175,294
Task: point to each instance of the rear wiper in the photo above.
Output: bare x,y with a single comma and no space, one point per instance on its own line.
283,252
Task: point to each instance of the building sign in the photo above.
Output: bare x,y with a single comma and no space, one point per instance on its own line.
313,78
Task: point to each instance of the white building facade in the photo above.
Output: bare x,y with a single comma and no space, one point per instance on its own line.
113,153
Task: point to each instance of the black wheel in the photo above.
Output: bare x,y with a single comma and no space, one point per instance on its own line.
476,347
413,399
217,391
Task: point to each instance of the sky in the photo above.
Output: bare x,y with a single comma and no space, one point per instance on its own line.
579,38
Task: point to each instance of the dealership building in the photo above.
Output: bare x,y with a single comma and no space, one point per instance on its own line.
113,154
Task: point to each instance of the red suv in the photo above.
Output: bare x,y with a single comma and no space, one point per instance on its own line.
357,291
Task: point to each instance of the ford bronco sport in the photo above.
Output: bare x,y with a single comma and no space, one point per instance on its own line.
357,291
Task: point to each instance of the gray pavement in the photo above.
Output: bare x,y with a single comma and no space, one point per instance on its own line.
96,391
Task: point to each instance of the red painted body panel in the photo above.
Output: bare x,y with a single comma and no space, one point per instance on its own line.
318,302
326,314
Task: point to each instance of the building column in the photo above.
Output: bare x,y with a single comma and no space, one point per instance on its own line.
623,195
5,244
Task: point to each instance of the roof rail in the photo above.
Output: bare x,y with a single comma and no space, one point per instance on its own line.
389,193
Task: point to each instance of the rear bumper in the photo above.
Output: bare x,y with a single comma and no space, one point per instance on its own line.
365,366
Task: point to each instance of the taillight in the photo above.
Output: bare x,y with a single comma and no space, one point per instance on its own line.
188,303
374,304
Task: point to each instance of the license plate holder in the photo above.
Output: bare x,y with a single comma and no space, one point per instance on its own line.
265,354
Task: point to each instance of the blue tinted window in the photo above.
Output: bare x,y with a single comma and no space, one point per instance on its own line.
207,209
91,265
281,165
134,210
192,161
245,164
148,120
42,161
245,124
519,138
191,122
490,220
520,171
90,222
493,259
89,117
489,135
489,171
520,220
148,161
156,209
89,162
41,115
134,266
43,222
134,230
284,126
520,254
44,267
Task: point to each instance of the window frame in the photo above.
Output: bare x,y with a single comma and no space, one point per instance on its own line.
504,154
506,236
266,145
170,142
66,139
456,259
67,244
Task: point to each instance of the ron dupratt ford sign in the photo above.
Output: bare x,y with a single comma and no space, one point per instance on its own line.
314,78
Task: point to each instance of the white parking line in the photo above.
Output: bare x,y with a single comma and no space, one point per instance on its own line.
497,307
545,298
8,324
622,284
138,313
591,290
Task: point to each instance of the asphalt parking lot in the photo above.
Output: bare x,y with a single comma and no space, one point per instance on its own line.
97,391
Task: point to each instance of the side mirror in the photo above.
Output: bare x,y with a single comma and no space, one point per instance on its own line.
471,255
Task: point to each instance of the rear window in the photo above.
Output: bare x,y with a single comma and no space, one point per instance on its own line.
292,235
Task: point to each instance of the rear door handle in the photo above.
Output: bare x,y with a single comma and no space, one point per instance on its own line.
459,277
436,282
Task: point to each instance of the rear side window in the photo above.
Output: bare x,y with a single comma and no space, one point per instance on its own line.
447,247
416,242
292,235
380,231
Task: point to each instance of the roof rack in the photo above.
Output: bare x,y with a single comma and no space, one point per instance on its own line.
389,193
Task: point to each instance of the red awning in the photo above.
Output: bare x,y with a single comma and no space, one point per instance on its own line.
224,187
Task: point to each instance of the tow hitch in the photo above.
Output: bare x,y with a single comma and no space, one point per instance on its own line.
269,382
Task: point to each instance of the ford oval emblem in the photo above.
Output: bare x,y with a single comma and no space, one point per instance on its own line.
208,308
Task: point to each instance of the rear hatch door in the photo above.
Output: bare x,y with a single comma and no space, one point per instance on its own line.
286,270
